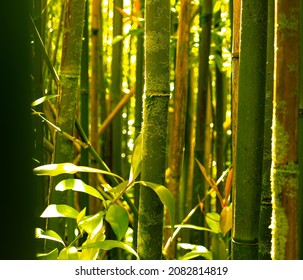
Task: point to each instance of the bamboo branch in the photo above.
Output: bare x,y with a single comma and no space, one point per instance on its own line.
114,113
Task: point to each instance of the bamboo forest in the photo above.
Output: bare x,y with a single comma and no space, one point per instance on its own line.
153,129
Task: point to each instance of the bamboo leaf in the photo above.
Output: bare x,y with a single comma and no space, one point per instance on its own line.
213,221
207,178
117,217
217,6
92,253
135,167
194,227
117,39
110,244
228,184
92,224
68,168
69,253
48,234
226,219
196,251
120,188
52,255
165,196
59,210
78,185
43,99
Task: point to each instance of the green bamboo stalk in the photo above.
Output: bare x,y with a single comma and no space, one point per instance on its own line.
94,96
284,173
187,199
266,205
300,192
202,135
250,129
139,88
84,102
220,111
177,130
116,83
154,130
69,78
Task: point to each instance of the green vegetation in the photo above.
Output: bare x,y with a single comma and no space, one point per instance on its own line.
160,131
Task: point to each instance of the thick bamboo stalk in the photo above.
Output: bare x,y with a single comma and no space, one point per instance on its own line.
154,129
285,132
300,192
266,205
250,129
69,78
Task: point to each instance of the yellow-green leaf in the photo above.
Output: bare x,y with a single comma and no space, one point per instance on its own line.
226,219
59,210
77,185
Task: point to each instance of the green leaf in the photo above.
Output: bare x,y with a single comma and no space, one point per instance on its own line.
117,39
59,210
92,253
78,185
43,99
117,217
213,221
165,196
218,248
52,255
110,244
92,224
226,219
196,251
119,188
48,234
135,167
194,227
69,253
68,168
217,6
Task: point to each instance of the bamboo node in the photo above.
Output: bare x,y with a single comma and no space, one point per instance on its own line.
244,243
235,55
158,95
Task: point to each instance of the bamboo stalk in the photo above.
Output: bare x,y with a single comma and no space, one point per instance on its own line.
266,205
285,131
250,130
177,132
300,192
154,129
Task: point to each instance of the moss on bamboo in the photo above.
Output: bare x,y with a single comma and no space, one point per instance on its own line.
284,182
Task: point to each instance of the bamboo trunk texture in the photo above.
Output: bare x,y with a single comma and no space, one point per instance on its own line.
250,129
300,192
285,132
70,75
115,96
177,129
266,205
154,128
202,126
